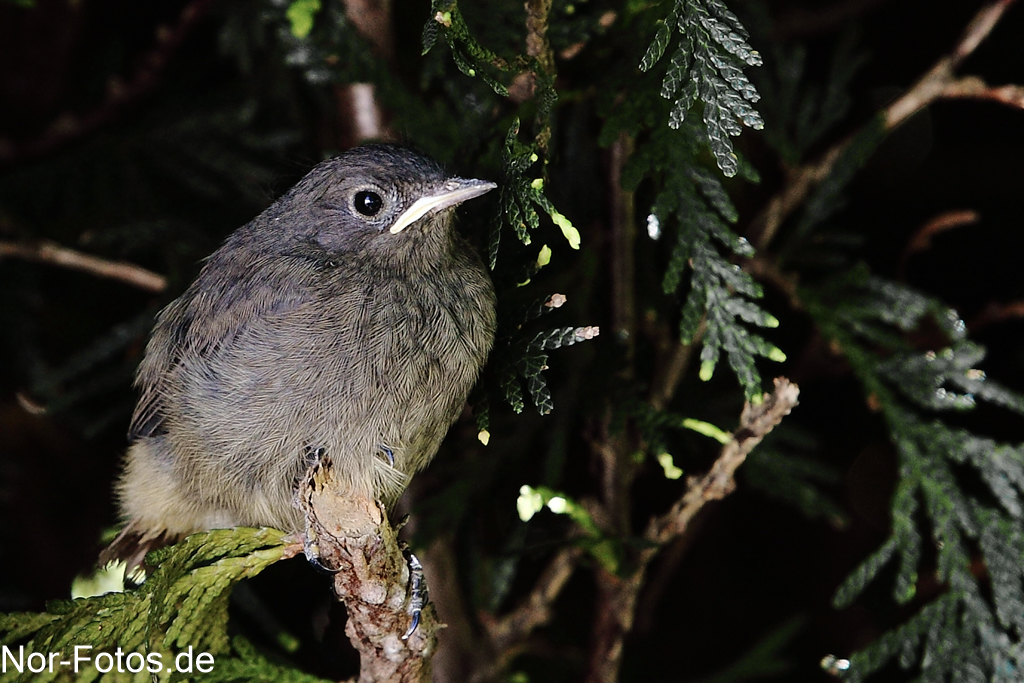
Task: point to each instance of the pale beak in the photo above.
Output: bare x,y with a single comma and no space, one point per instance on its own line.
453,191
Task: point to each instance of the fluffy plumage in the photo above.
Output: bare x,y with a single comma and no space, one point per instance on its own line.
313,327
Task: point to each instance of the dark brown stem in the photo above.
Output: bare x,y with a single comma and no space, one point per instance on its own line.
612,448
767,270
819,18
537,45
662,575
617,595
513,628
510,633
613,620
997,313
922,237
622,248
672,367
362,117
539,48
460,652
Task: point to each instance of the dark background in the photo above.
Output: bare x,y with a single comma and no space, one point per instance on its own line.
160,177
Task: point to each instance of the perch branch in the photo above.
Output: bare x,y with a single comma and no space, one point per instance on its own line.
54,254
938,83
351,536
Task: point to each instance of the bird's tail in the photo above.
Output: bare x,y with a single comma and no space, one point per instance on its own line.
132,544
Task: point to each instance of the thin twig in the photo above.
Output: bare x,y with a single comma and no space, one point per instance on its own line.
672,366
939,80
54,254
997,313
617,595
938,83
509,635
975,88
922,237
513,628
767,270
755,423
817,19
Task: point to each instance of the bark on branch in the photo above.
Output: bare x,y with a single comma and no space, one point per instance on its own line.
352,537
755,423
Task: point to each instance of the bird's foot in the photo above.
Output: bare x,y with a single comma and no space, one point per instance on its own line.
418,596
311,548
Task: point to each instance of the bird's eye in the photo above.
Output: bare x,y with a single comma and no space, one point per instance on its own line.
368,203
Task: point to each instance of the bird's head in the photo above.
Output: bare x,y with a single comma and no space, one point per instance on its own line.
375,198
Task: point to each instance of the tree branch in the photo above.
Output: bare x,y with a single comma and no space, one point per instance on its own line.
539,48
755,423
511,630
997,313
622,251
54,254
817,19
671,366
361,114
975,88
352,537
617,595
938,83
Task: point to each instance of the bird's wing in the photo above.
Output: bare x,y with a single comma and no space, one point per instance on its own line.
223,300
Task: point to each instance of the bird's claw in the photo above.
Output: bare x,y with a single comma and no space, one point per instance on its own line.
418,596
311,549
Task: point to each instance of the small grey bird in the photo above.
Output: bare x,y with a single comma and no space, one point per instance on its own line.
349,318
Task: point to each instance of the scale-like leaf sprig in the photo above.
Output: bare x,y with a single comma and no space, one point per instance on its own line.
472,58
521,195
959,631
519,355
924,378
530,362
708,63
182,604
721,294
